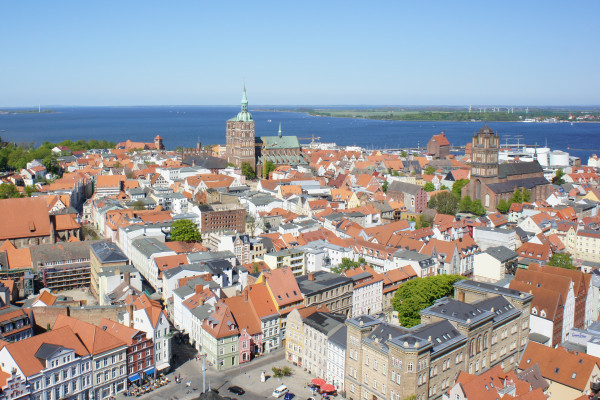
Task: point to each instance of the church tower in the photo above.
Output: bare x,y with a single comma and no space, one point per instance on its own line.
240,142
484,158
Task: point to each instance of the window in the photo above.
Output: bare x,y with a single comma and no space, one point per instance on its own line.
409,367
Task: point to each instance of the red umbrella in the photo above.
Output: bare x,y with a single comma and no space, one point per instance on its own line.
318,381
328,388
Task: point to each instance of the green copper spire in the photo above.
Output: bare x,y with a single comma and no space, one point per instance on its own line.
244,100
280,129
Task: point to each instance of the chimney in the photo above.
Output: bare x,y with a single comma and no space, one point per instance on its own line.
246,295
199,288
311,276
130,311
127,277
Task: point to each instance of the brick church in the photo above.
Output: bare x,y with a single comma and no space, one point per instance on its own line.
243,146
490,182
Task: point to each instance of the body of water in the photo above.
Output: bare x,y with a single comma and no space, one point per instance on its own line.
184,125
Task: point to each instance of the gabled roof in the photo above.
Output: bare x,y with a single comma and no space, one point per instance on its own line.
558,365
24,351
24,217
94,338
283,286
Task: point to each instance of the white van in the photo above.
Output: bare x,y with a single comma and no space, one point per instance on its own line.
280,391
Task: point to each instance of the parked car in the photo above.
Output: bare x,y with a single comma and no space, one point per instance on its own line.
237,390
280,391
288,396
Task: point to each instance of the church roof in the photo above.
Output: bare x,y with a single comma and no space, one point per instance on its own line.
510,186
279,159
278,142
520,168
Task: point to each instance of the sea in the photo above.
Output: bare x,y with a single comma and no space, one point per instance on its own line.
185,125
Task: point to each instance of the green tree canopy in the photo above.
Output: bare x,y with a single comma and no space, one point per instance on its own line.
561,260
457,187
517,196
429,170
9,191
465,204
248,171
347,264
444,203
419,293
268,168
503,206
428,187
558,177
185,230
384,187
477,208
138,205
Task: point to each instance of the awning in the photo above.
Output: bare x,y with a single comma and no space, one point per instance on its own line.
328,388
149,371
134,378
318,381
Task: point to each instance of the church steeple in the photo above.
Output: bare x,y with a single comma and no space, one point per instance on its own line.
279,129
244,100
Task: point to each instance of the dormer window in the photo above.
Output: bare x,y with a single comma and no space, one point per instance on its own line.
543,313
534,311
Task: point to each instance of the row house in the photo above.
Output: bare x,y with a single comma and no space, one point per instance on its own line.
582,290
140,349
220,338
149,317
583,244
108,356
55,365
325,288
367,291
379,256
318,328
143,252
284,291
556,283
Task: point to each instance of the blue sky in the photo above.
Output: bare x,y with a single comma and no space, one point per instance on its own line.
302,52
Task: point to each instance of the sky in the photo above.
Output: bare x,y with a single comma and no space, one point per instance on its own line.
93,53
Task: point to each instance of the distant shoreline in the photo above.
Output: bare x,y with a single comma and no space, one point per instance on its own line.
327,114
6,112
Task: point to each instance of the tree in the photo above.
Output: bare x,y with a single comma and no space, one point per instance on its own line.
503,206
517,196
428,187
526,195
347,264
465,204
558,177
268,168
444,203
9,191
138,205
457,187
423,221
403,154
477,208
185,230
231,164
384,187
561,260
419,293
429,170
29,190
248,171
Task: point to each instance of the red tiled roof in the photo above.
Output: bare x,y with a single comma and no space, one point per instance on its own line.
23,218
